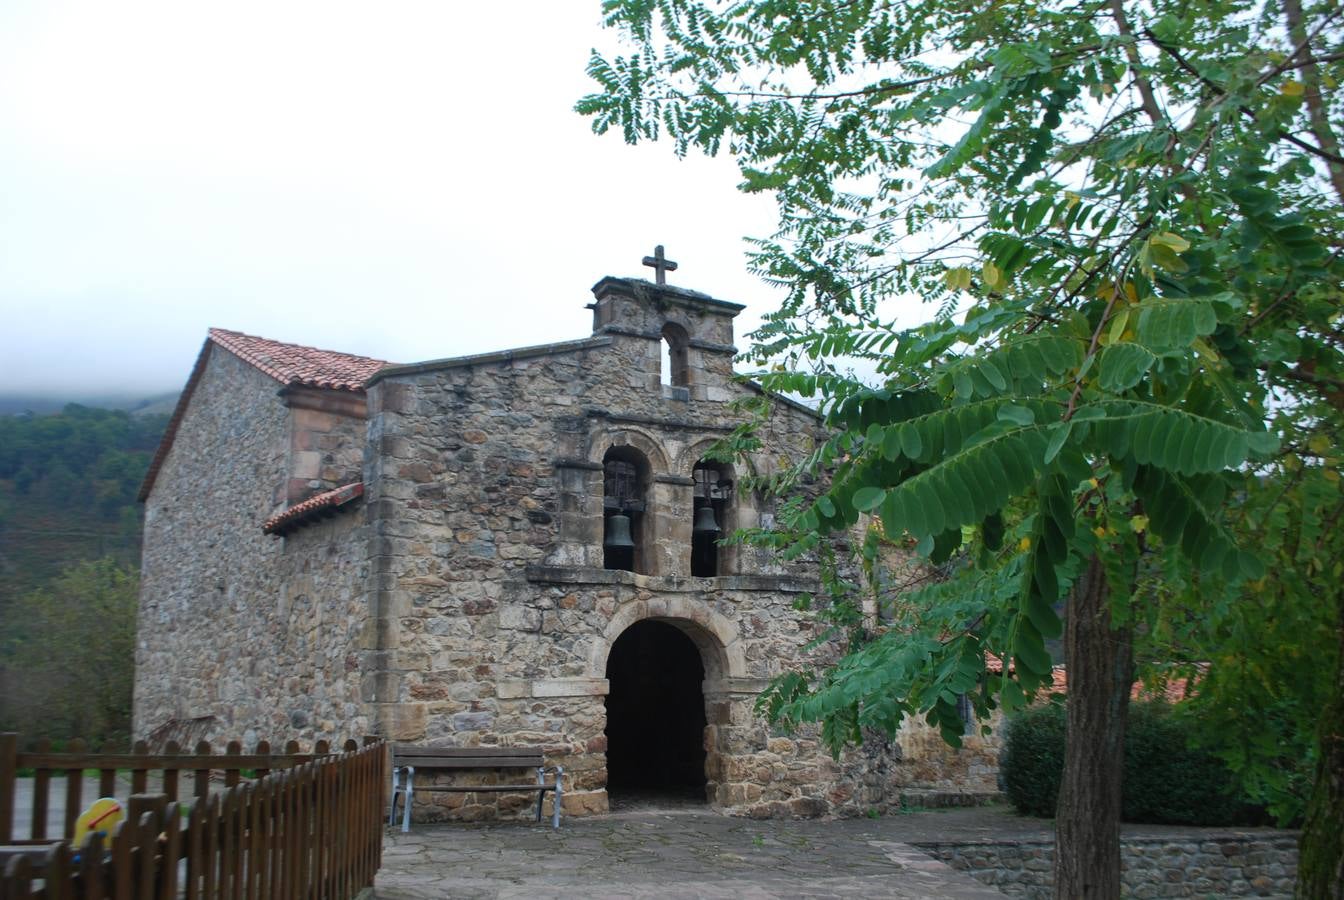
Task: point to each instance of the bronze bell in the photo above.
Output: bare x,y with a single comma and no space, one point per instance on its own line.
618,532
704,520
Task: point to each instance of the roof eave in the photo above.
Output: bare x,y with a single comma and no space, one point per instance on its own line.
484,359
170,433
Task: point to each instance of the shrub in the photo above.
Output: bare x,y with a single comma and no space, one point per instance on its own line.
1166,781
1033,759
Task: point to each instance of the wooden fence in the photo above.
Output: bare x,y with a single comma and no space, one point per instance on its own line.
303,826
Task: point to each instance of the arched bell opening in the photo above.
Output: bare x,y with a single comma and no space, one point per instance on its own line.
656,715
674,366
624,509
713,509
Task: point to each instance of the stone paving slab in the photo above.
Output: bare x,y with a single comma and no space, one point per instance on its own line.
666,854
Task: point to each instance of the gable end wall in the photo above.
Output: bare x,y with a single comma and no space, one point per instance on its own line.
258,633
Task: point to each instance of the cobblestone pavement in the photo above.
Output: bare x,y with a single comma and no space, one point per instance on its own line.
677,854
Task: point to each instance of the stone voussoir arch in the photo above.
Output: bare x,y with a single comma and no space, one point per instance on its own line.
713,634
630,436
677,317
693,452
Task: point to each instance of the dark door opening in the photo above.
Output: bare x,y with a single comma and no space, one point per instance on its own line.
655,715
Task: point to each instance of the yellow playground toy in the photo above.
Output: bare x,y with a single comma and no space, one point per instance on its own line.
100,818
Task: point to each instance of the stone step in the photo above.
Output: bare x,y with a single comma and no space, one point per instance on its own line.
933,798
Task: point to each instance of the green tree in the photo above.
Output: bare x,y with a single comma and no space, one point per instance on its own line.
1138,208
68,483
67,656
1261,653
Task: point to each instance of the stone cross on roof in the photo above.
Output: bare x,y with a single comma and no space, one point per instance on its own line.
660,264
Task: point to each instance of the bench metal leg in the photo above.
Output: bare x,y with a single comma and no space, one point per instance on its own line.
408,792
541,794
392,809
555,801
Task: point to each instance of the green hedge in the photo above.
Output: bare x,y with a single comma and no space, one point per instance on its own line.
1033,758
1166,782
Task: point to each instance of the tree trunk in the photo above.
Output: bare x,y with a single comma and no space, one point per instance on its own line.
1320,867
1099,660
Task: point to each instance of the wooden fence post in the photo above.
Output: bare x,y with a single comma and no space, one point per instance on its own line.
201,786
57,873
19,877
139,780
172,748
172,851
41,795
146,850
139,804
74,791
92,874
9,770
123,842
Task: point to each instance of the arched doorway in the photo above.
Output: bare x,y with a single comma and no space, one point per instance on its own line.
655,716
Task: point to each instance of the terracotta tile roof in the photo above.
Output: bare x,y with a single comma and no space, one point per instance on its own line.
316,506
1058,681
1172,690
287,363
295,364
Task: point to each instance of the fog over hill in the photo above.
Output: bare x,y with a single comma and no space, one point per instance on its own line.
44,404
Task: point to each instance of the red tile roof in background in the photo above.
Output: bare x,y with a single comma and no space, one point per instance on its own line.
319,504
296,364
1173,690
290,364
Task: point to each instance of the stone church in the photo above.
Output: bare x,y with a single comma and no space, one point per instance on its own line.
519,548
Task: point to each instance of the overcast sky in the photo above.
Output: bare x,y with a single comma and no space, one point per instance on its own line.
404,180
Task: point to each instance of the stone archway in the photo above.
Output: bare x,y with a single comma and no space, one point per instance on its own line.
667,663
655,716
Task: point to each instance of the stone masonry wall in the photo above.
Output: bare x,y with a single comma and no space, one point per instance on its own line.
257,632
493,615
1172,866
326,441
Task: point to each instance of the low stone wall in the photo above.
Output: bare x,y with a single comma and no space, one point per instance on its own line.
1158,867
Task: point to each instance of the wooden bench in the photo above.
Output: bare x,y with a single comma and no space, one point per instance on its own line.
406,759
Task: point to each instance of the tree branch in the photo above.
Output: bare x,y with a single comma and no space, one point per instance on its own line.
1328,151
1311,80
871,90
1303,42
1145,87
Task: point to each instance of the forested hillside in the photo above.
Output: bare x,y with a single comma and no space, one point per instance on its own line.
67,490
69,552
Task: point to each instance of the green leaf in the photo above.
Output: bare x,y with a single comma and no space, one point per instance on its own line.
868,498
1170,438
993,375
910,442
1043,616
891,443
1122,366
962,487
1118,325
1059,433
1174,324
1021,415
1029,649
